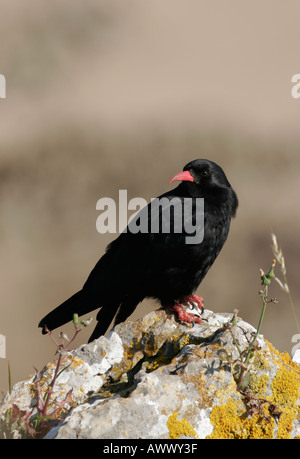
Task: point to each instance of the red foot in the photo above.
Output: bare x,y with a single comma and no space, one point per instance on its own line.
193,299
188,308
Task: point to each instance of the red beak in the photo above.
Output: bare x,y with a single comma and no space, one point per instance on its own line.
184,176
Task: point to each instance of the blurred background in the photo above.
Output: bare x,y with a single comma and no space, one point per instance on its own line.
105,95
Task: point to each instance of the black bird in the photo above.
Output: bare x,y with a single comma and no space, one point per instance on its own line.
159,261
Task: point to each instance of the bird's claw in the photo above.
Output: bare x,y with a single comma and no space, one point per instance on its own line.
189,309
192,308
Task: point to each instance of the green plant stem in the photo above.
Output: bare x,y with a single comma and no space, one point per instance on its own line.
264,299
50,391
264,296
75,334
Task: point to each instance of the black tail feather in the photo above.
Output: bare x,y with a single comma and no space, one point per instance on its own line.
81,303
76,304
104,318
106,315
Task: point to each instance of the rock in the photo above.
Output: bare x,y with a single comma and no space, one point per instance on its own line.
158,379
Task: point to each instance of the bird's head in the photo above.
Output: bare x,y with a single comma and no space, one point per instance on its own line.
206,179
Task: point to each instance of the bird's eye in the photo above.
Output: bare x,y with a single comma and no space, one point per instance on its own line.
204,172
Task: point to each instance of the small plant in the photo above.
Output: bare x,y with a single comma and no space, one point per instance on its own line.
266,279
47,413
283,284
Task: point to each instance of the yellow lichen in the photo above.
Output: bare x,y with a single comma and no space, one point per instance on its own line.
285,387
76,362
179,427
230,422
227,424
200,384
285,423
257,426
284,358
259,384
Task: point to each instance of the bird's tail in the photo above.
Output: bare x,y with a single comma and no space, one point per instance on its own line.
104,318
76,304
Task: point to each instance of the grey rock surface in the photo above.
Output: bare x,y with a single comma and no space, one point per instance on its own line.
156,378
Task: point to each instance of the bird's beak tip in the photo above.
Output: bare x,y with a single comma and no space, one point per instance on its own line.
184,176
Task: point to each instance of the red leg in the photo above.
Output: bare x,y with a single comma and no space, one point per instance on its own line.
193,299
188,309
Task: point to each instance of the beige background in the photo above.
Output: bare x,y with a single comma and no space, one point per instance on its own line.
109,95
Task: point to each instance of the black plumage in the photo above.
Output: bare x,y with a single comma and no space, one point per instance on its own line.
157,264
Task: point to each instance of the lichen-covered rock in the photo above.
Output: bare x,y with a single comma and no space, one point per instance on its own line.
156,378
